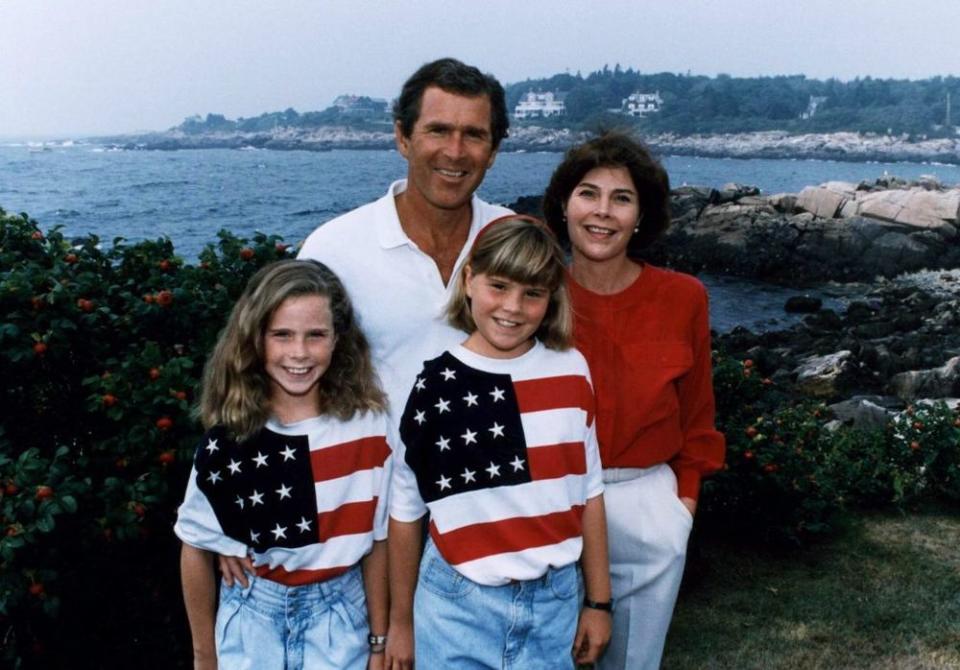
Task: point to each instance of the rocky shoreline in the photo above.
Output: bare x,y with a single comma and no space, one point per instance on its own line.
845,146
898,341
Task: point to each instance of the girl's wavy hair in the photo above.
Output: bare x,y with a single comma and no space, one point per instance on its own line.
522,249
236,389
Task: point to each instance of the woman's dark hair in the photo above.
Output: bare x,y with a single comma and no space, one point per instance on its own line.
452,76
612,149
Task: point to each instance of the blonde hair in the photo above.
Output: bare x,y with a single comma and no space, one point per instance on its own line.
236,390
521,249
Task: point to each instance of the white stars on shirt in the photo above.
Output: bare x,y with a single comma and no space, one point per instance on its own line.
443,443
279,531
443,405
496,430
288,454
497,394
239,502
214,476
233,466
421,417
448,374
284,491
421,384
212,446
493,470
469,437
260,459
304,525
517,463
256,498
471,399
443,482
468,475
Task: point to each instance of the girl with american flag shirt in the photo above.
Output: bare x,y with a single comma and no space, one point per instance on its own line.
498,444
291,476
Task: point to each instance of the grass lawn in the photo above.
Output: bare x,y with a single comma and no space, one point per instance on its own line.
884,594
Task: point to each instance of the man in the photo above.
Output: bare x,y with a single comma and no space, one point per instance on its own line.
398,256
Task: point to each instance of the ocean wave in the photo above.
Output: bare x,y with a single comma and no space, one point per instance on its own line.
150,185
309,212
66,213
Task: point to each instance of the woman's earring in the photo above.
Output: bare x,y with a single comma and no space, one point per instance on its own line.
636,228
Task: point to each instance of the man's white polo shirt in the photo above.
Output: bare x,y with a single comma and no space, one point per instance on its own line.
396,289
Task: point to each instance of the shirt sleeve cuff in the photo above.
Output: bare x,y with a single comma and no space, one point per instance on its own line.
688,483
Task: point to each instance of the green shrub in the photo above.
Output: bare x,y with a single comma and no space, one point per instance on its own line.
100,355
791,473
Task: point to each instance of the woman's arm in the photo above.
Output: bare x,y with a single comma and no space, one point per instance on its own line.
404,550
374,566
199,597
593,630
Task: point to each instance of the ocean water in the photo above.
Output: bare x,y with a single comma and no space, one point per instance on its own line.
190,195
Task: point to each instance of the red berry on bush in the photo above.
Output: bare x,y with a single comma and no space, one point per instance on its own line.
282,248
751,432
154,373
770,467
44,492
70,259
748,363
36,235
747,372
139,510
179,395
956,423
11,489
37,303
12,530
40,348
748,454
164,298
164,423
246,254
914,445
108,400
918,425
148,298
164,265
766,381
85,305
36,589
167,457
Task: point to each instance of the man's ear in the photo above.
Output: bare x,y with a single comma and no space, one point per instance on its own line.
403,142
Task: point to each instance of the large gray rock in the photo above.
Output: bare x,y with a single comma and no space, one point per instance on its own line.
935,383
821,201
818,376
862,412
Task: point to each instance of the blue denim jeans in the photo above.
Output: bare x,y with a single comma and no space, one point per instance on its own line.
460,624
268,625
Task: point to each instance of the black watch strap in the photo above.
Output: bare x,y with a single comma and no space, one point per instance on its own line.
596,605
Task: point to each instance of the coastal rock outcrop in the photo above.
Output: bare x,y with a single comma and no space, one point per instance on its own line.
835,231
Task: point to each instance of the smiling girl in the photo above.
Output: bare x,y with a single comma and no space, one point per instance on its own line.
292,474
498,444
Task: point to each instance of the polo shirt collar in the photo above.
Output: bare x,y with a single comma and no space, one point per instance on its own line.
389,231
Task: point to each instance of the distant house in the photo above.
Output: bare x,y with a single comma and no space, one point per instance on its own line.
537,105
641,104
814,102
359,105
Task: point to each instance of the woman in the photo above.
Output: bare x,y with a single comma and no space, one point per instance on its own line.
645,333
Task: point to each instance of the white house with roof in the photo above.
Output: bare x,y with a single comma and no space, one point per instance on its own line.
539,105
641,104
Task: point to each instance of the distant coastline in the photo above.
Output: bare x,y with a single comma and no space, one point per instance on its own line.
842,146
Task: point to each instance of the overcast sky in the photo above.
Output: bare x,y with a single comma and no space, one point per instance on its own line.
74,67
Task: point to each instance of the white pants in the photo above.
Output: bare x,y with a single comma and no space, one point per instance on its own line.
648,528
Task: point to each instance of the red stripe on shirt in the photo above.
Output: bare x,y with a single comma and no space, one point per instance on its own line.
300,577
348,519
480,540
344,459
557,460
537,395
